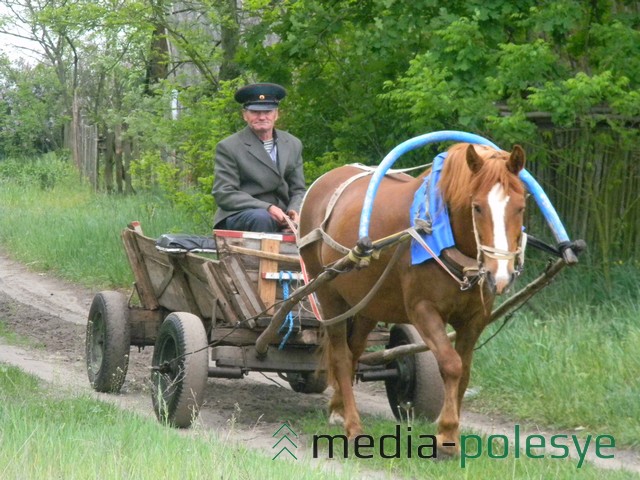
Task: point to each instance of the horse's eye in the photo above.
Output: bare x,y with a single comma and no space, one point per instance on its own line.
477,208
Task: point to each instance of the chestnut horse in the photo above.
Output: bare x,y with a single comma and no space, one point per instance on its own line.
485,200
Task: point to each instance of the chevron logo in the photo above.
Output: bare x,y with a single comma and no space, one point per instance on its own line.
284,442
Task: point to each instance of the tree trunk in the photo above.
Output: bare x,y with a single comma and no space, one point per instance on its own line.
109,153
230,38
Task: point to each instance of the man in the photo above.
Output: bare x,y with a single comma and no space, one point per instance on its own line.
259,180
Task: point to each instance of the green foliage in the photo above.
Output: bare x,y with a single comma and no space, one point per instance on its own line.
44,172
362,76
29,97
177,153
42,428
573,98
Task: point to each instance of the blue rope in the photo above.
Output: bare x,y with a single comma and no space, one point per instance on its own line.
288,321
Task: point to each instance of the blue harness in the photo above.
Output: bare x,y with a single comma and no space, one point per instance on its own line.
428,195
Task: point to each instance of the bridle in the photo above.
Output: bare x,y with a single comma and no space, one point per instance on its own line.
485,251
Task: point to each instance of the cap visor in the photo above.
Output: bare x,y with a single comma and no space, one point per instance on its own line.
261,107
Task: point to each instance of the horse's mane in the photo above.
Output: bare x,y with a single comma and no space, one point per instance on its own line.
457,182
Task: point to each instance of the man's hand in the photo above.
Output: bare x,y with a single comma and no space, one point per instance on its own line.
293,215
278,215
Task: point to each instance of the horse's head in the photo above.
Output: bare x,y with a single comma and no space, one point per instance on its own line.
495,196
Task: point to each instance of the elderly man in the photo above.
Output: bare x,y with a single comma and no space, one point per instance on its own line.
259,180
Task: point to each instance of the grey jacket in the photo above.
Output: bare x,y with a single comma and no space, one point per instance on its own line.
245,176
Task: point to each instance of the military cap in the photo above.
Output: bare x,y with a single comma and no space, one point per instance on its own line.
260,96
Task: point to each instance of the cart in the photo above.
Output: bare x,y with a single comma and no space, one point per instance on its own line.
203,302
212,307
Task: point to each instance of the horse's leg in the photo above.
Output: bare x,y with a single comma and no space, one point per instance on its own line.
466,339
432,330
338,362
342,406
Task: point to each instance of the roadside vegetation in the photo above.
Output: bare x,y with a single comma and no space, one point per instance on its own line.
567,360
55,225
50,435
485,466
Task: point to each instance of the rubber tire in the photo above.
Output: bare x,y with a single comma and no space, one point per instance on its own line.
419,380
308,382
108,341
177,393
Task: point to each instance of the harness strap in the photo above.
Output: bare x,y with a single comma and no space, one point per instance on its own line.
367,298
319,232
459,263
313,302
464,283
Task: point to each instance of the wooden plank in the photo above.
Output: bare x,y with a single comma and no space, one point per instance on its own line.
220,294
267,289
293,359
245,336
145,325
289,259
224,280
244,286
144,287
194,268
297,276
180,279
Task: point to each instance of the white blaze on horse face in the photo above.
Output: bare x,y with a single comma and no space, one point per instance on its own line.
498,201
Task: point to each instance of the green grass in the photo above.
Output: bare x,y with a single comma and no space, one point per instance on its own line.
483,467
76,233
577,368
48,436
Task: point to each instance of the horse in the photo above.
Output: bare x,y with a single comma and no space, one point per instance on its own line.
485,200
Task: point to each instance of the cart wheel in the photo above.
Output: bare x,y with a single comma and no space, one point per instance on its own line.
307,382
419,383
180,369
108,341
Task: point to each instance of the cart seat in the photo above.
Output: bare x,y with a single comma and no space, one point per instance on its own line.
183,243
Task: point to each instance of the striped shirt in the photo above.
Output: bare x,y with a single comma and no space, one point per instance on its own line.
271,148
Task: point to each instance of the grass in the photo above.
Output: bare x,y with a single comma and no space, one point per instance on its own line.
76,233
48,436
51,435
575,369
483,467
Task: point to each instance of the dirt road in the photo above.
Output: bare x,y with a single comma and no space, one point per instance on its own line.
51,315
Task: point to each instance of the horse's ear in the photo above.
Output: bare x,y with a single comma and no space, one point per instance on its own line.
516,160
473,159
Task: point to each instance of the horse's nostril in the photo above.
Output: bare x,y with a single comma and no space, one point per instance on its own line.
491,281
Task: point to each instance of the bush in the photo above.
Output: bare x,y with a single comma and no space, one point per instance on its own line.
45,171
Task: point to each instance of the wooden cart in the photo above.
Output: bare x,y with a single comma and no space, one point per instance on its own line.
203,310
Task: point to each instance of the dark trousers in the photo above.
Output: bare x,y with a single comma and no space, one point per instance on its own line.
252,220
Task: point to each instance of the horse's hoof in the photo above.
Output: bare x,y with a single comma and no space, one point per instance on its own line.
336,418
353,432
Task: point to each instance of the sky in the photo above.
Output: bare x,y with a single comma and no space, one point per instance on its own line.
10,45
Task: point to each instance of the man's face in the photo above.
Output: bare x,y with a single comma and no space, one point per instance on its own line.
260,121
